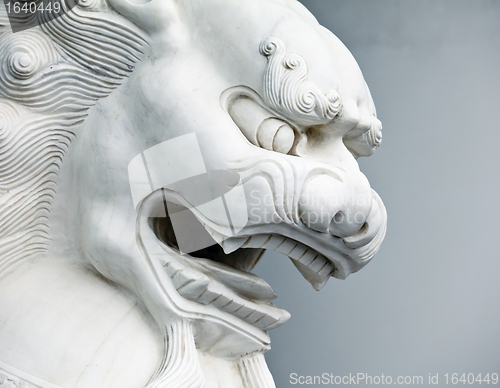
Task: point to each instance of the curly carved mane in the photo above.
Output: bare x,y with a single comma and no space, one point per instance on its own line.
50,75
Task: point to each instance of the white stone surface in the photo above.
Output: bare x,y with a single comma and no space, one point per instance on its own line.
247,113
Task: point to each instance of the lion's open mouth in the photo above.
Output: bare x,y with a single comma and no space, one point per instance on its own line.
218,276
213,278
233,270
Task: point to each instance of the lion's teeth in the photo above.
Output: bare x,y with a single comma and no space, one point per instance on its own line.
287,247
244,312
255,316
173,268
184,277
257,241
270,321
274,242
194,289
208,296
198,287
244,283
298,251
315,268
231,307
189,283
307,257
222,301
316,271
318,263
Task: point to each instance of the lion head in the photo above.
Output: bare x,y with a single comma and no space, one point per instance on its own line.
195,135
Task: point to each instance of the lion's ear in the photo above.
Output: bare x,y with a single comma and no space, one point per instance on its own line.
150,15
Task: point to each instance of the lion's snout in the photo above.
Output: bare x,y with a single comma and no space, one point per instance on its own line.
330,205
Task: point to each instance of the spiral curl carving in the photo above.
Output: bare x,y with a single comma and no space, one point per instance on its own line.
23,55
271,46
288,91
294,61
88,4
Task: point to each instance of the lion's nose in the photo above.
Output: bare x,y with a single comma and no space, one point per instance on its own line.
330,204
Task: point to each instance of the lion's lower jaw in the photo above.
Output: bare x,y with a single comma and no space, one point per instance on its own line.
181,366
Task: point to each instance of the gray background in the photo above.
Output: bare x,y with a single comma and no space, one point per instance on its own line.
429,302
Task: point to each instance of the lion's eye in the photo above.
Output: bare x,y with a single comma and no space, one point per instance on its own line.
276,135
261,127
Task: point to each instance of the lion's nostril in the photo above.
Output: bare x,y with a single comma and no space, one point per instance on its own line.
338,217
328,205
370,229
347,224
363,230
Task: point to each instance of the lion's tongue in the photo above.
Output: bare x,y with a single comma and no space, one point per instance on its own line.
244,283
